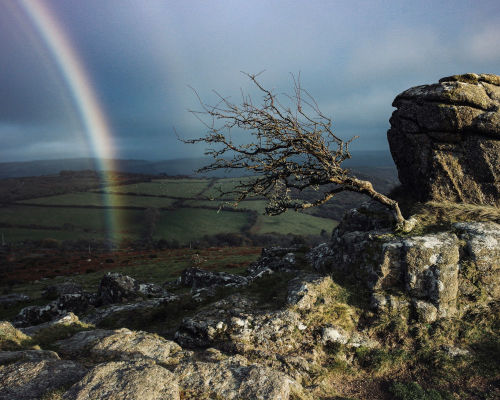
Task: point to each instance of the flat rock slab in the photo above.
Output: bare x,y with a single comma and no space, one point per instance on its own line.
135,380
7,357
233,379
122,344
33,379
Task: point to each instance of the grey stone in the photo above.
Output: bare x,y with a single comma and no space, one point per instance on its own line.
30,380
98,315
66,319
445,139
118,288
122,344
334,334
9,300
426,312
235,379
7,357
131,380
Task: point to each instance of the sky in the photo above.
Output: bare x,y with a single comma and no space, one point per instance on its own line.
140,59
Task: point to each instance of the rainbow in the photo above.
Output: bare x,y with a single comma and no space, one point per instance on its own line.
83,95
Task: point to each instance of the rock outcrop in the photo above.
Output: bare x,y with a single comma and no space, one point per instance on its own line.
433,272
445,139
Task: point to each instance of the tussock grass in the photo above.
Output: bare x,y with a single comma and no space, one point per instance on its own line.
13,339
445,213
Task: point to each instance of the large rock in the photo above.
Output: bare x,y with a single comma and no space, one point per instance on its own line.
118,288
445,139
31,380
122,344
434,273
8,357
233,379
234,324
136,380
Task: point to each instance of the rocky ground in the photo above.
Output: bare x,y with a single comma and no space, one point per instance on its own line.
370,315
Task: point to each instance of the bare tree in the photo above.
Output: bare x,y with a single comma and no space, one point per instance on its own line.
293,147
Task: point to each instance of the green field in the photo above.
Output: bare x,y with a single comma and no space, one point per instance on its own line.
187,224
184,214
184,188
102,200
293,222
20,234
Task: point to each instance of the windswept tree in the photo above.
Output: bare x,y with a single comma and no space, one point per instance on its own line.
292,148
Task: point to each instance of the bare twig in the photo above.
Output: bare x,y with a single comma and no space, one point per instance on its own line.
291,148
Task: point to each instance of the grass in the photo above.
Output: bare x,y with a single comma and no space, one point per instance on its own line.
13,339
293,222
184,188
186,224
413,391
446,213
100,200
166,266
20,234
91,219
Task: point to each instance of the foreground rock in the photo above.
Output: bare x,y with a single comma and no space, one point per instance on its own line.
233,324
108,345
235,379
33,379
445,139
140,380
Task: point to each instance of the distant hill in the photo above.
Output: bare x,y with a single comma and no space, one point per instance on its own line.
181,166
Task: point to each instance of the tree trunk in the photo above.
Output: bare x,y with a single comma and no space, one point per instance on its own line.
365,187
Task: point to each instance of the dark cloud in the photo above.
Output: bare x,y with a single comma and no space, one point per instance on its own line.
354,58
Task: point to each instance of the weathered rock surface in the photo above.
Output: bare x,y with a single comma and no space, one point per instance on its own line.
233,379
433,271
7,357
122,344
331,334
8,300
99,314
67,319
445,139
54,291
273,259
233,323
31,380
204,284
197,278
139,380
114,288
77,303
118,288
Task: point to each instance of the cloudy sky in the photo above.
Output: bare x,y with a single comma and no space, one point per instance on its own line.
140,57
